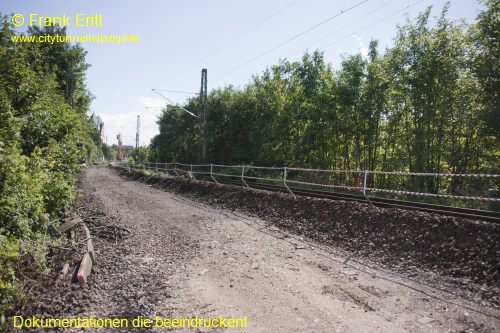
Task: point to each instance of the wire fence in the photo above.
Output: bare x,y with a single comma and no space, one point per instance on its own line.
446,186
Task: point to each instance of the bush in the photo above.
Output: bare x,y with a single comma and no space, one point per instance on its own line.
43,140
9,255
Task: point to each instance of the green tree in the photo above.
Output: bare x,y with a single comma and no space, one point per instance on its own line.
140,154
179,136
109,152
67,62
485,36
428,104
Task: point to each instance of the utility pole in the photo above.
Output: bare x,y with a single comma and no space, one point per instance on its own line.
137,140
203,118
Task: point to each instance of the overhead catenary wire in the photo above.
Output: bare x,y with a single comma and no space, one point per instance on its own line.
178,92
323,38
374,23
176,104
223,46
289,40
342,28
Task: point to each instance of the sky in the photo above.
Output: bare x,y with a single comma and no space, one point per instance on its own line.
172,40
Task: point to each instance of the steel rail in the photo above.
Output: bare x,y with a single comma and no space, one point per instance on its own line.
474,214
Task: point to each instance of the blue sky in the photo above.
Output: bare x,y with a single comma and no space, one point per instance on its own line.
176,39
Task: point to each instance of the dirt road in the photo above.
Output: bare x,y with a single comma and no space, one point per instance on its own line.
185,259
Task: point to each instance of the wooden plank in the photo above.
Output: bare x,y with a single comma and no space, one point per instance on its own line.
87,231
71,216
90,245
53,231
69,224
84,269
64,271
91,251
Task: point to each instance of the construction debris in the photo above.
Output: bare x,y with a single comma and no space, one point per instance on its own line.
69,224
85,267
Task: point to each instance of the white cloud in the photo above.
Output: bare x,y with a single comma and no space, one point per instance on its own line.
362,48
150,102
126,124
148,109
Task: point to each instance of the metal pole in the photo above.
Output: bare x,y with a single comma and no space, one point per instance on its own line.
364,189
243,176
203,118
284,182
211,175
192,174
364,182
137,140
175,169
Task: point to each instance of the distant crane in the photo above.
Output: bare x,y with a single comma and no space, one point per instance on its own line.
119,152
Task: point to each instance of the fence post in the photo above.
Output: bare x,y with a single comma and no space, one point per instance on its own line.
191,168
284,182
364,189
175,169
211,175
364,182
243,176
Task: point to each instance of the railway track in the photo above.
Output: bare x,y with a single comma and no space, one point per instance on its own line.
474,214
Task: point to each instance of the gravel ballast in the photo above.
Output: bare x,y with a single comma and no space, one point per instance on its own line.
459,248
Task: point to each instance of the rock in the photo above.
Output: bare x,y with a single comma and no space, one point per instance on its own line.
349,273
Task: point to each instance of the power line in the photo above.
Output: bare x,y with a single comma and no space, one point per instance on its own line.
179,92
374,23
176,104
230,42
251,28
289,40
343,27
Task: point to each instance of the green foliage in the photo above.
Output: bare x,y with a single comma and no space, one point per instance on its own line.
44,136
57,193
429,104
9,256
485,35
179,135
140,155
109,152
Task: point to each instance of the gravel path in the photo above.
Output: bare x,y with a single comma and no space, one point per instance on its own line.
186,259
